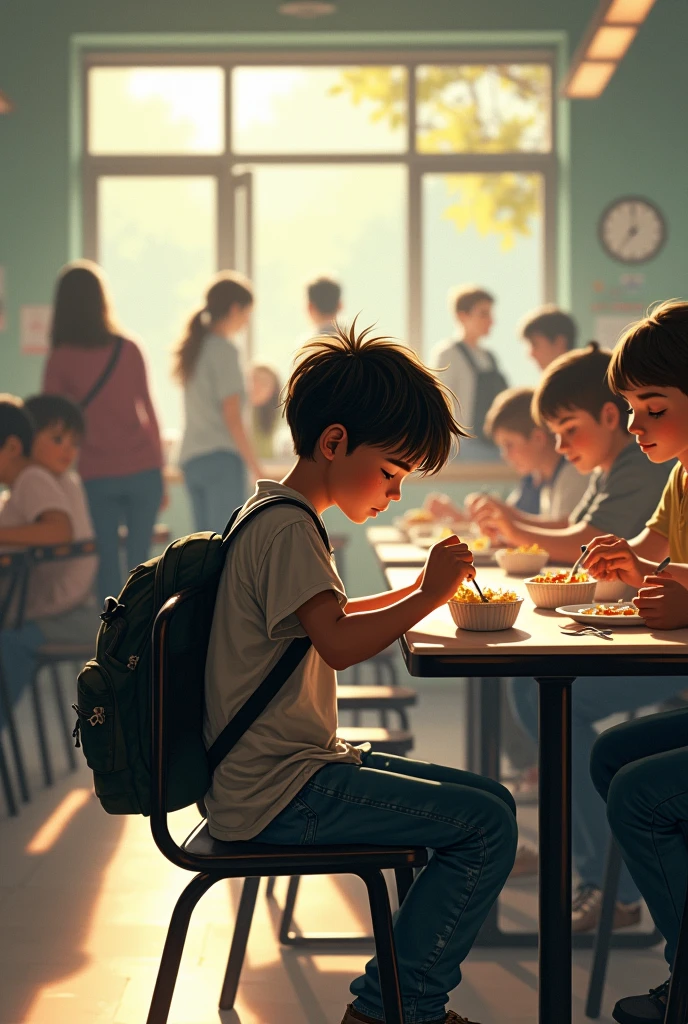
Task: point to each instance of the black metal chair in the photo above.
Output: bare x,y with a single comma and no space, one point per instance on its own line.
52,656
14,571
214,860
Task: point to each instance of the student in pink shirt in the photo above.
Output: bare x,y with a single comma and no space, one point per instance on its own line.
121,457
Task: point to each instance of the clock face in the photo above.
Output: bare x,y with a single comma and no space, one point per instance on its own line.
632,230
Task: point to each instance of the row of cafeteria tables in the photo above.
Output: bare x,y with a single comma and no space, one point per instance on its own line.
533,647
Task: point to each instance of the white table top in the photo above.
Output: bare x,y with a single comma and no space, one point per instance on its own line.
536,633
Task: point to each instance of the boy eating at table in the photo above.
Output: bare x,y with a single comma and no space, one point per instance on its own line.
640,768
589,420
364,413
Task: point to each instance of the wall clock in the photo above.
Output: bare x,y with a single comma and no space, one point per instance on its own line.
632,230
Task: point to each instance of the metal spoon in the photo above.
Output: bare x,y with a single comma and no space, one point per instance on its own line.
584,548
482,596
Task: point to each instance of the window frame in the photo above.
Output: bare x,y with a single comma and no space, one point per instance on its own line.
225,166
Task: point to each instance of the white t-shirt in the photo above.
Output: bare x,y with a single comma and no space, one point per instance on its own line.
217,375
54,587
275,565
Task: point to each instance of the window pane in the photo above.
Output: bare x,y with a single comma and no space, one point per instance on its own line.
490,108
156,110
157,244
319,110
347,221
485,229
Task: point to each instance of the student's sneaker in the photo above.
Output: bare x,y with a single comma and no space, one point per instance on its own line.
647,1009
526,862
354,1017
587,906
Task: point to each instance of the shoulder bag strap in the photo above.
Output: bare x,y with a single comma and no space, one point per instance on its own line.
256,704
105,375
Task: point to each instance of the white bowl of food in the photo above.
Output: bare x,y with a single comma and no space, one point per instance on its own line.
424,535
614,590
550,589
499,612
525,560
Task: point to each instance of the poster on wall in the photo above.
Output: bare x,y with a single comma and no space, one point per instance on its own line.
34,330
607,328
3,320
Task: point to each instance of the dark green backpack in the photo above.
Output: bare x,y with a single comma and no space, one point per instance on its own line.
114,688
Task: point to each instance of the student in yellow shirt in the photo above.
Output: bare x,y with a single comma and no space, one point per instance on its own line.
640,768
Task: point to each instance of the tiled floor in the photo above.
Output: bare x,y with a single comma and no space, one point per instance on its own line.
83,923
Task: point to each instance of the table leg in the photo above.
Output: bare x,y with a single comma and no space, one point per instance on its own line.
554,950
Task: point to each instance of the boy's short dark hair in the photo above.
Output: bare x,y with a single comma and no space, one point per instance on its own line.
51,410
15,421
551,322
511,411
576,380
466,296
325,294
653,350
379,390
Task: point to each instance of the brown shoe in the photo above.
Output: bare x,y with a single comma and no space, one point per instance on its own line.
354,1017
587,907
526,862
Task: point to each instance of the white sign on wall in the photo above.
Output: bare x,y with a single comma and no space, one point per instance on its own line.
34,329
608,328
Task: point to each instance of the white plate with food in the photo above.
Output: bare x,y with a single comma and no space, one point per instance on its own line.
601,615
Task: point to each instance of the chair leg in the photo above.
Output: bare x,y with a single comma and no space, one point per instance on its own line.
603,936
40,732
174,947
237,951
404,878
7,784
62,717
15,745
288,912
270,891
385,953
677,1002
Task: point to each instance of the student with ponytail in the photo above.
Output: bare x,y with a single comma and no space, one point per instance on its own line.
216,451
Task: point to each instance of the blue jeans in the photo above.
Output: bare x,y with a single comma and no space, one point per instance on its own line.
18,649
132,501
217,485
593,699
470,824
640,769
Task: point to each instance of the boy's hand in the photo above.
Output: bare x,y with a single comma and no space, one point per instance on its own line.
440,506
496,520
448,564
609,558
663,602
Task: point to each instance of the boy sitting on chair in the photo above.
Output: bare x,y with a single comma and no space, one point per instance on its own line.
44,504
364,413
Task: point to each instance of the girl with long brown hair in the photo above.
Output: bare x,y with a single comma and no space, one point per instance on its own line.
92,363
216,451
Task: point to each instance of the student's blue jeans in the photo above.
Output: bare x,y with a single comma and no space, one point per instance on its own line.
132,501
217,485
470,824
640,769
593,698
18,649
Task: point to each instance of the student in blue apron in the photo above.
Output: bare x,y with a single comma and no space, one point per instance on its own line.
471,371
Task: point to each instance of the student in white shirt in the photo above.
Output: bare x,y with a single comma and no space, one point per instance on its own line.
45,504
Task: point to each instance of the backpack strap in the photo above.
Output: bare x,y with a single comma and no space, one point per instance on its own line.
256,704
105,375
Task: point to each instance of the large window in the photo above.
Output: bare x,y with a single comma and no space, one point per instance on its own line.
402,178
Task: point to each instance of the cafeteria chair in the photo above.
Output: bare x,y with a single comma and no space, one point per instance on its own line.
52,656
14,570
213,860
